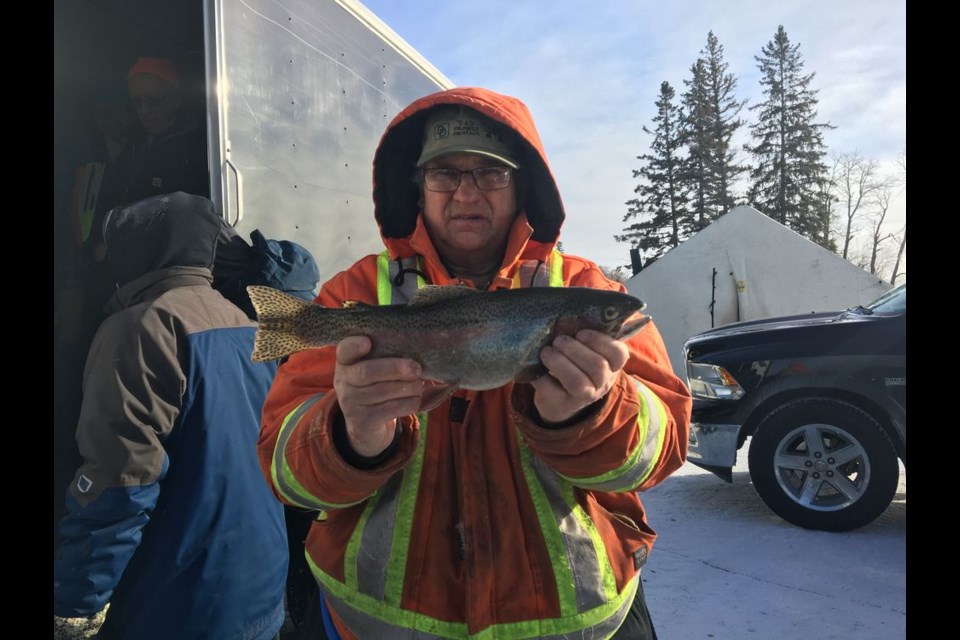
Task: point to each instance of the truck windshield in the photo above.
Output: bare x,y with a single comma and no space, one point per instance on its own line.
892,302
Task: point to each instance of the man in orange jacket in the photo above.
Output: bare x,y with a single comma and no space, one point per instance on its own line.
506,513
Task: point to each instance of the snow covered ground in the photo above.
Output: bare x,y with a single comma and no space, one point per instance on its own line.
725,567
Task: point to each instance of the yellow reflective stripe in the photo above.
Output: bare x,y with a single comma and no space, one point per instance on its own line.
387,269
284,481
403,524
86,223
556,269
370,618
384,286
640,463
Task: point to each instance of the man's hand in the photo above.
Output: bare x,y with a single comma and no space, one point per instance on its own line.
580,371
372,393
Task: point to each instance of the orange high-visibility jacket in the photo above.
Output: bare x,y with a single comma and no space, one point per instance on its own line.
481,523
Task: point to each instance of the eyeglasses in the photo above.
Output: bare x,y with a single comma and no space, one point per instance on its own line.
486,178
141,102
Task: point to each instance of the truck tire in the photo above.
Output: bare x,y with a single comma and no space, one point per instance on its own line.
822,463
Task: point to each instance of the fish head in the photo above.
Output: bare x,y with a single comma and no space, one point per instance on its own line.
611,312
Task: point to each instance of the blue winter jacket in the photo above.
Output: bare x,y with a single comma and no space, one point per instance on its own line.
171,521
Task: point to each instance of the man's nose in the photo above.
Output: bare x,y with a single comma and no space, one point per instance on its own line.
467,189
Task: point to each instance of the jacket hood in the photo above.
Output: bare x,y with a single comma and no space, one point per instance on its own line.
396,196
281,264
159,232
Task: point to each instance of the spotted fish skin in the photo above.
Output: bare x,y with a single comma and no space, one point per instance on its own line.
460,336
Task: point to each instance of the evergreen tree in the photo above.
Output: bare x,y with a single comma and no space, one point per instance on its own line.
697,134
723,110
661,206
711,121
789,171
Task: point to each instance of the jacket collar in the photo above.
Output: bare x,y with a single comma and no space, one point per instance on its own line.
520,246
155,283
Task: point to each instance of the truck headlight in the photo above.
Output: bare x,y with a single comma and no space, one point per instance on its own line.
712,382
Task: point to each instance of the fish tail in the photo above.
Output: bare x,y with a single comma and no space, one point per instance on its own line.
278,314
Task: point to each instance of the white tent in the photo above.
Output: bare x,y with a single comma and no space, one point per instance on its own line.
745,266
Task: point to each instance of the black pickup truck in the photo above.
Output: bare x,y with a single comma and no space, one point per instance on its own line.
822,398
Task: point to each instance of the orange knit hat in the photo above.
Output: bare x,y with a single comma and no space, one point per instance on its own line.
160,67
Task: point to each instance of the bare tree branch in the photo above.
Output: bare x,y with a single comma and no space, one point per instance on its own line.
855,180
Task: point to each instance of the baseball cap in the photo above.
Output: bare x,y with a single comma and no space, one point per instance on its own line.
458,129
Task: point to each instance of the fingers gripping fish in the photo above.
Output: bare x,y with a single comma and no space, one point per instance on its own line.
460,336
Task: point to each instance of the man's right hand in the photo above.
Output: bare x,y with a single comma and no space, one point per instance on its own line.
372,393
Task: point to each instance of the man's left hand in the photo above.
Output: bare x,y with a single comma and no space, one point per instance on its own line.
580,371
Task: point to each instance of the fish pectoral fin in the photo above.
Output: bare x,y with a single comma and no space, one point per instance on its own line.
433,293
434,394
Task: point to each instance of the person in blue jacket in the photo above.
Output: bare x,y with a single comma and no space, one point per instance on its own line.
170,521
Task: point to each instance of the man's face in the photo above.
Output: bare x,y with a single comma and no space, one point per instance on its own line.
469,223
156,102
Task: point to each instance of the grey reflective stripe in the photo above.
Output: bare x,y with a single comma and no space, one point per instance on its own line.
641,462
577,542
533,273
376,539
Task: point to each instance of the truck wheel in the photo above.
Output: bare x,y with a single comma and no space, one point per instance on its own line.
822,463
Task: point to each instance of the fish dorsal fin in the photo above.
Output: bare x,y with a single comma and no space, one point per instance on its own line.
433,293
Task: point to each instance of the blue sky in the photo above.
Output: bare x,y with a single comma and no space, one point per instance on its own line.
590,72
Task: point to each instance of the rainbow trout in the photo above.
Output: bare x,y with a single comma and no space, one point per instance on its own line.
460,336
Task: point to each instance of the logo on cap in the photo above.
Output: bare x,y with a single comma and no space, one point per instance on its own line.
453,129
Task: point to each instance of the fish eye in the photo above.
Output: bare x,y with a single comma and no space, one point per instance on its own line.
610,313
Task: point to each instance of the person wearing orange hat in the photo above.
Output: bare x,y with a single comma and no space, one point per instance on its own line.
155,93
168,155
